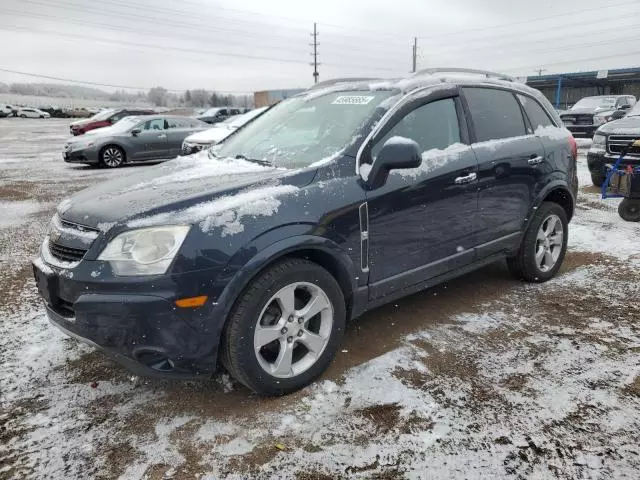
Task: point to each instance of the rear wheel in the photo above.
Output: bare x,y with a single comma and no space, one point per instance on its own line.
544,245
285,328
629,209
598,179
112,156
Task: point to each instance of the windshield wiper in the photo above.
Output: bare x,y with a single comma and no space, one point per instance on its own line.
264,163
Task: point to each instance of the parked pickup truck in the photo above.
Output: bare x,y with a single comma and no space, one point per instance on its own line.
608,142
584,118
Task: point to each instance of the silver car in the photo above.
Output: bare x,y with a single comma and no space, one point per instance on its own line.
133,140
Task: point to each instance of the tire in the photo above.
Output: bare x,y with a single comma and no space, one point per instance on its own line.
23,116
253,362
41,116
112,156
598,179
629,209
538,260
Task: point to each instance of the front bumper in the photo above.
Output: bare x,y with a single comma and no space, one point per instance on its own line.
598,159
88,155
583,130
134,321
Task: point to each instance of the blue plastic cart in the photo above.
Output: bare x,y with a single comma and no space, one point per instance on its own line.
623,181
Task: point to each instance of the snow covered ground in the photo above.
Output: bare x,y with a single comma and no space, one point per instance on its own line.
483,377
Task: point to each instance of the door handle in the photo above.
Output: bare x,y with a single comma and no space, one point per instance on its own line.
162,135
466,178
535,160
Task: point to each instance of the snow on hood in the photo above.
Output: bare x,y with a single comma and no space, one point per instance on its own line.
626,125
226,212
173,185
211,135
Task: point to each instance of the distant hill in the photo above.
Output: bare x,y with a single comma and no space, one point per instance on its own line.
71,91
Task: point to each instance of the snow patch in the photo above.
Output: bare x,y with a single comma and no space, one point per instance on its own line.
434,159
226,212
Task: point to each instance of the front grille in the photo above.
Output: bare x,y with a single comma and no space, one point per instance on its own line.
578,119
615,143
66,254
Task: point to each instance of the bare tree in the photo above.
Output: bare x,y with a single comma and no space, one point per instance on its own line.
158,96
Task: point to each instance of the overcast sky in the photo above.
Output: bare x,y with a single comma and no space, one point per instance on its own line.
248,45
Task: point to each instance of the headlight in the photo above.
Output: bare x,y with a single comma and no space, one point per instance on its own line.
146,251
599,139
81,145
598,120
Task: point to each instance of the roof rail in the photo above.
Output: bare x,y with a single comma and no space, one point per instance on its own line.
486,73
333,81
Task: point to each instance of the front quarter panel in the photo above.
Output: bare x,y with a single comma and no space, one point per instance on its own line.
322,216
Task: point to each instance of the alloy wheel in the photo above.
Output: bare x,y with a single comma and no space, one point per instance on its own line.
549,243
112,157
293,329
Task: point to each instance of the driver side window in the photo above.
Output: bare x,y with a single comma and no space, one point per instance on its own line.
433,126
155,124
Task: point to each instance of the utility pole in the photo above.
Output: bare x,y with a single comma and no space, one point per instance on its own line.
315,52
540,70
415,53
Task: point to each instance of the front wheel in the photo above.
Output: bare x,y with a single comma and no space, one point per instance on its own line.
112,156
544,245
285,328
23,116
629,209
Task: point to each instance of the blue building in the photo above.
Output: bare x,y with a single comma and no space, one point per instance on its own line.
565,89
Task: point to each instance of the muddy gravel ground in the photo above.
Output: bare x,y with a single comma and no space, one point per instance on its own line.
482,377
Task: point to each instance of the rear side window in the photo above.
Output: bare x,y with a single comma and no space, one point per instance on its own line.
434,125
536,114
495,113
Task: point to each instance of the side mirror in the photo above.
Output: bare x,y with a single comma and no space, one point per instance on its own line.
135,132
396,153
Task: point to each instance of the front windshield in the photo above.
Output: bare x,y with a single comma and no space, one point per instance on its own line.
103,115
210,113
125,124
595,102
305,129
240,120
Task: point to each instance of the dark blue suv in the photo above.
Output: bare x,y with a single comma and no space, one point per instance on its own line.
354,193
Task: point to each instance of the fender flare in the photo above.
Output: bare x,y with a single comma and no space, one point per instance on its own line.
243,274
544,193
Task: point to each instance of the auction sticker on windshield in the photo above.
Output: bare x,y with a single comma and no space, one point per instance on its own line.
352,100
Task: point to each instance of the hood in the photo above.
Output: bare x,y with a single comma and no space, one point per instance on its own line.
82,123
628,125
579,111
211,135
173,186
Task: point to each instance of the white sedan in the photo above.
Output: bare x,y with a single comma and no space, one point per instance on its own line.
207,138
32,113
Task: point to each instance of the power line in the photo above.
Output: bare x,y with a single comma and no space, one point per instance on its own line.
182,50
532,20
612,41
95,84
574,60
138,31
123,14
547,29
